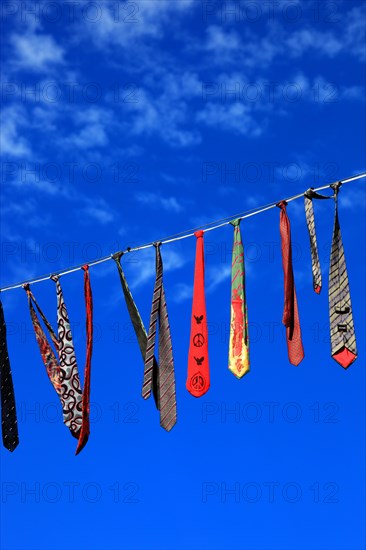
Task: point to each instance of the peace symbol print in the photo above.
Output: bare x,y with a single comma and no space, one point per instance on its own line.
198,340
198,382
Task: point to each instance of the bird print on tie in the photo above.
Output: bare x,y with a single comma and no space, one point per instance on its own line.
198,374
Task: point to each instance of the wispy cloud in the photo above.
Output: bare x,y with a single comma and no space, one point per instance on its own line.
145,265
156,200
36,52
98,211
93,123
216,275
146,20
12,143
236,117
182,292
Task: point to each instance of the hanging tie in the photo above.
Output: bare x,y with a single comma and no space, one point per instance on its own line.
71,395
9,424
198,376
290,313
309,195
342,332
85,428
47,353
239,339
167,396
56,373
138,326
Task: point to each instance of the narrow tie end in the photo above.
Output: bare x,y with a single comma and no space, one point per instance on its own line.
344,357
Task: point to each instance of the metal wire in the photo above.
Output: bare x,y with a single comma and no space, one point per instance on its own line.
179,236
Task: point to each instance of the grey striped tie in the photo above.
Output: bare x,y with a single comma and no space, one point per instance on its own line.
342,332
309,212
167,397
138,325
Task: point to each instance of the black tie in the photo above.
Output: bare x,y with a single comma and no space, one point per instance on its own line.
9,422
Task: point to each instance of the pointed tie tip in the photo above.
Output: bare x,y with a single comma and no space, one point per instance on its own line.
344,357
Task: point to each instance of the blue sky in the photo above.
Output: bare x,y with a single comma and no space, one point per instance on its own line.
126,122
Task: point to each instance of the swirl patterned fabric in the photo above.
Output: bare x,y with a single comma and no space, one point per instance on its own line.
62,372
71,394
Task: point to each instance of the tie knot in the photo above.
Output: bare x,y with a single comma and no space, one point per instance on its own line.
282,205
235,222
26,287
199,233
157,244
336,187
117,256
85,267
54,277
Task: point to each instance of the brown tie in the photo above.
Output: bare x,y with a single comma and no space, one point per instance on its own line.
167,397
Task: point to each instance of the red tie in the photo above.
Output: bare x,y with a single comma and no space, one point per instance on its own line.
85,427
198,378
290,312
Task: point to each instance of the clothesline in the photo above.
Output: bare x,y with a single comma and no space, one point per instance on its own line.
180,236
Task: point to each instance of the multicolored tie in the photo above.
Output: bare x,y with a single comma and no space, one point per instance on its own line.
309,195
342,332
239,339
47,353
167,396
85,428
138,326
198,376
9,424
290,313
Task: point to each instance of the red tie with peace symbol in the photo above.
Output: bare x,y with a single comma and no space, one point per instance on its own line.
198,377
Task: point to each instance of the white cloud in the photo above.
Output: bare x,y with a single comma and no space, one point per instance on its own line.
351,198
36,52
153,199
216,275
92,133
182,292
236,117
102,215
163,115
121,27
145,270
13,118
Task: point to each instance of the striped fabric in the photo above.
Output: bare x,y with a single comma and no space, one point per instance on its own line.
342,332
9,424
239,339
167,396
310,221
290,318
